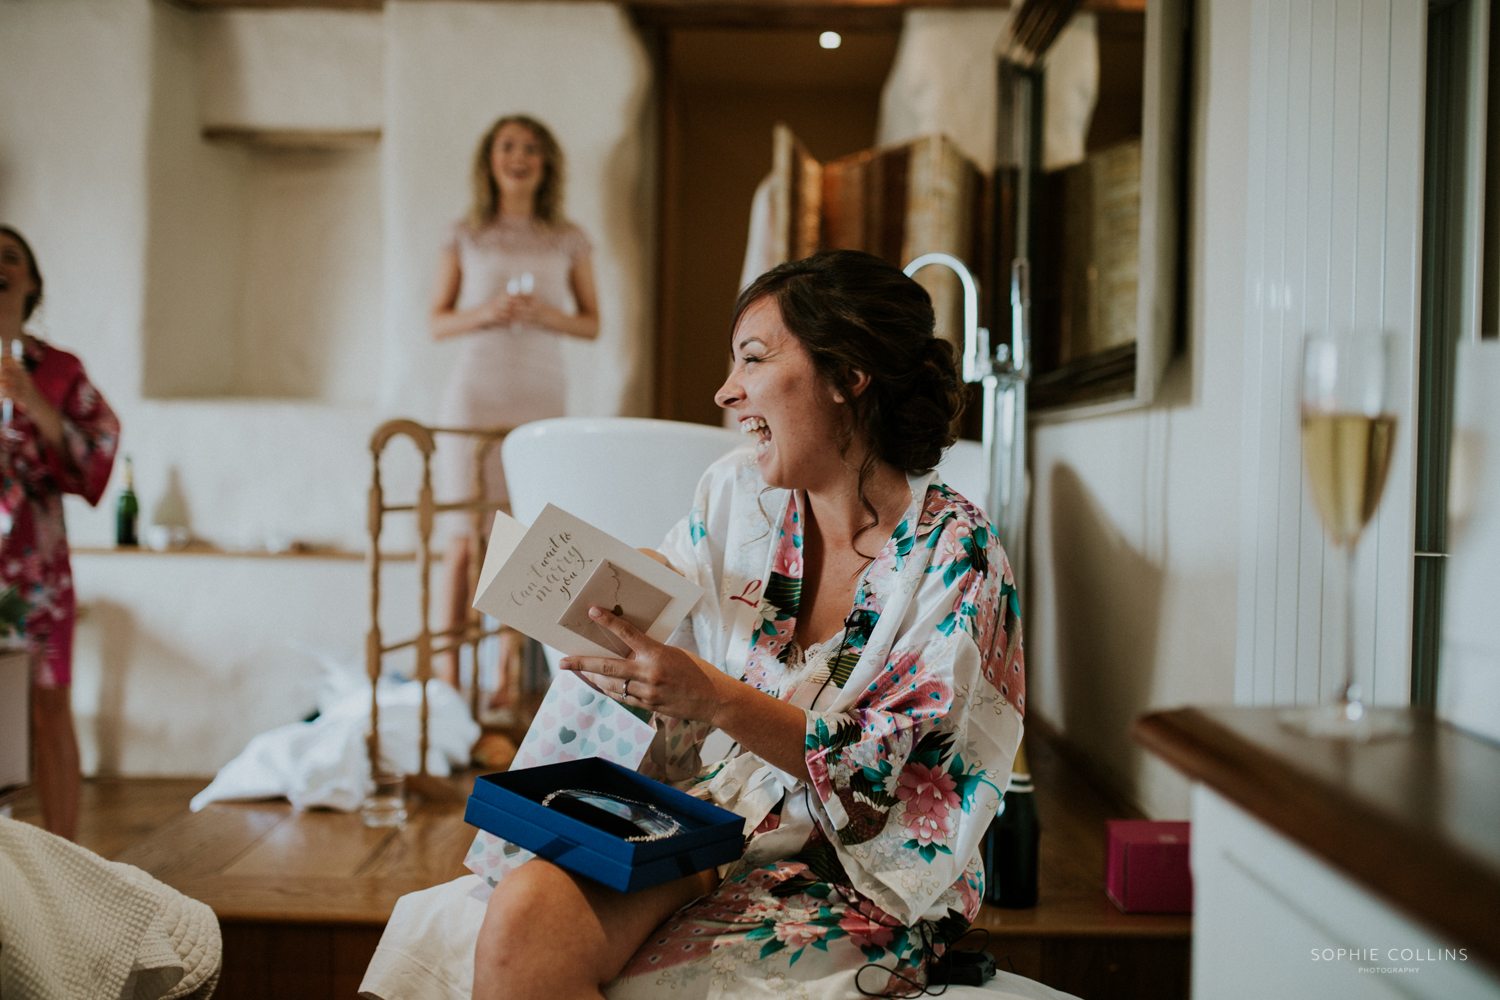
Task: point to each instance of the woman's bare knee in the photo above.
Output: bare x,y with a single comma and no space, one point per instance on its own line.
540,936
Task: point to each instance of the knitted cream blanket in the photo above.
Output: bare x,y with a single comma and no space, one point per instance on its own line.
76,927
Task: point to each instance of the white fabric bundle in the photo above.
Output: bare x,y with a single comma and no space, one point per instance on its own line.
76,927
324,762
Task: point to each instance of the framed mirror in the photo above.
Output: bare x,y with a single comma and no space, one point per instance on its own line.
1101,231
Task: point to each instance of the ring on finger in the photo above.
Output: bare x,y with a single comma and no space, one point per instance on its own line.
625,692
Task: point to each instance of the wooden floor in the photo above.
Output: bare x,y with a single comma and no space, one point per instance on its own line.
302,898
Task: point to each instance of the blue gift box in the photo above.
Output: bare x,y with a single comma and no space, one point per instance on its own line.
509,805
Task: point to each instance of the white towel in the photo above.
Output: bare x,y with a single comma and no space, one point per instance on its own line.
76,927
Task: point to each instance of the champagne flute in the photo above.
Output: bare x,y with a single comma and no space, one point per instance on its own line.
521,284
7,405
1348,435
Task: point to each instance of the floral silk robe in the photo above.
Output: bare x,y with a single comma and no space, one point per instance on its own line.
33,479
912,726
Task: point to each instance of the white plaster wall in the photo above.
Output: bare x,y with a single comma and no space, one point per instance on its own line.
943,81
194,231
452,68
182,658
177,684
311,69
263,272
73,156
308,309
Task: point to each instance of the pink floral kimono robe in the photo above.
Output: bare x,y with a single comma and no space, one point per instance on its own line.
33,479
914,713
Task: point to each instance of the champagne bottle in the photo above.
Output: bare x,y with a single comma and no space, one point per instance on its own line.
1011,844
126,510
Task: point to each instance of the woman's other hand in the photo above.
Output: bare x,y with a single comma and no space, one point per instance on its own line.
499,311
656,677
17,386
445,320
530,312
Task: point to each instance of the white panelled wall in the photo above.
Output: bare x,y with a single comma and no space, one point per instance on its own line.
1333,231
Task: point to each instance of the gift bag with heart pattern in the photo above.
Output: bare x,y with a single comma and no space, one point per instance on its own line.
573,722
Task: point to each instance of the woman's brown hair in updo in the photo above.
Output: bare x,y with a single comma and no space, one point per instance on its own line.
855,312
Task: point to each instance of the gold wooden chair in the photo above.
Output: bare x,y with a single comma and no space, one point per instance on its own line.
472,631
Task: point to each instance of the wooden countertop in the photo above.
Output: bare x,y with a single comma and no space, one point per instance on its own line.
1416,819
263,862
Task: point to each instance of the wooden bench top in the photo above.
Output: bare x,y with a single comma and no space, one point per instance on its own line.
265,862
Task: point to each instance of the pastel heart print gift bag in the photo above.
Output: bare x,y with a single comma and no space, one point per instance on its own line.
573,722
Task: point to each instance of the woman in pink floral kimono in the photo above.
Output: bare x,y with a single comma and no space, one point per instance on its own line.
61,438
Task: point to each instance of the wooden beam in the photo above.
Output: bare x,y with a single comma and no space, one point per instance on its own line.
757,13
852,15
293,138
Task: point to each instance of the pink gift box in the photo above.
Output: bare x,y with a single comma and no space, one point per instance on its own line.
1146,866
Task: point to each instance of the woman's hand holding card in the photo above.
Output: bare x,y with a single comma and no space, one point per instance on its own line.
654,676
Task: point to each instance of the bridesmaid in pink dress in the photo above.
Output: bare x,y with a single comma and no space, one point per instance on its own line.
513,277
61,438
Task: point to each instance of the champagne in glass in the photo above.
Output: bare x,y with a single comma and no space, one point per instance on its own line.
521,284
1347,457
1348,434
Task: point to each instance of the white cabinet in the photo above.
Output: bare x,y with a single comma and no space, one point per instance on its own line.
1271,919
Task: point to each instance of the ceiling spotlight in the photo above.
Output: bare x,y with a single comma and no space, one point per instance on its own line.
830,39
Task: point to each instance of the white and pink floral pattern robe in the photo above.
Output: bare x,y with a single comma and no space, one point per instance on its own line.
912,724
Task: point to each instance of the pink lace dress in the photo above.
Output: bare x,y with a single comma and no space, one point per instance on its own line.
33,479
505,375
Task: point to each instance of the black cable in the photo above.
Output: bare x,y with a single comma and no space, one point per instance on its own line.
981,968
924,929
849,624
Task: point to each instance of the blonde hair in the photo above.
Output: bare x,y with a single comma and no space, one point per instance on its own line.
546,204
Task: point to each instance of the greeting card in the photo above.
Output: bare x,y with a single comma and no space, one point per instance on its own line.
542,581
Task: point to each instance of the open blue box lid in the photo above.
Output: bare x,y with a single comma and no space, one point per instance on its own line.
508,805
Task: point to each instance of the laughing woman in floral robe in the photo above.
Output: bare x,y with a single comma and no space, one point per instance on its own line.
858,642
913,717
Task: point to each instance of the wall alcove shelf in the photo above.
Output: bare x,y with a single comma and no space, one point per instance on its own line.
296,551
292,139
1415,820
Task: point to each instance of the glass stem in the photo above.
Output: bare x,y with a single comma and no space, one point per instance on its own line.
1350,691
